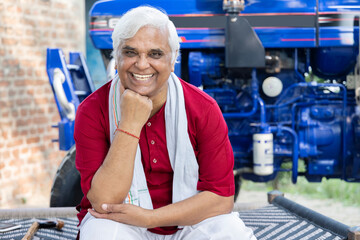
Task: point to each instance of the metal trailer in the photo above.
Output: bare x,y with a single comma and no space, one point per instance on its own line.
284,73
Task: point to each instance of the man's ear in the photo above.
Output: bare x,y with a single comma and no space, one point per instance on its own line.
115,67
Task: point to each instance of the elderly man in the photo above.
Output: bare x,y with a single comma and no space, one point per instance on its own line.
152,150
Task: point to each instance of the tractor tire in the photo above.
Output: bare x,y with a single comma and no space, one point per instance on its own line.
66,189
237,179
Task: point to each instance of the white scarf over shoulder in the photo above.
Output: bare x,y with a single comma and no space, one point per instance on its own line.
181,152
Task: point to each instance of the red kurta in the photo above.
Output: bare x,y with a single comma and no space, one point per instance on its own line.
208,135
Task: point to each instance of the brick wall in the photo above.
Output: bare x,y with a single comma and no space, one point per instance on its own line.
28,158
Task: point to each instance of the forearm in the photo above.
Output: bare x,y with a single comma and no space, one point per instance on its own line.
112,181
192,210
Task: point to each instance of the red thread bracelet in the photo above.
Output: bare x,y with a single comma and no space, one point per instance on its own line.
126,132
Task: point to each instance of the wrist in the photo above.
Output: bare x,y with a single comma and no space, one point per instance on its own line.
134,129
151,220
128,133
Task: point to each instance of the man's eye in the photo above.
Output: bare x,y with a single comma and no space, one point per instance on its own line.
156,55
129,53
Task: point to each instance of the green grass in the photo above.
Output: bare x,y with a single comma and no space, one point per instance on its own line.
341,191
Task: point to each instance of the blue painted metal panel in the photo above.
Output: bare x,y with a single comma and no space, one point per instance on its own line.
336,37
203,38
338,22
339,5
188,7
101,39
287,37
111,7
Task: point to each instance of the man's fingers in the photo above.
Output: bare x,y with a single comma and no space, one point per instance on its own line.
96,214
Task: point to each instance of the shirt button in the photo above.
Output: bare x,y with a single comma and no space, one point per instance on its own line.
152,142
154,160
149,124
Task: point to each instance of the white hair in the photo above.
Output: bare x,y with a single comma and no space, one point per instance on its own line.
136,18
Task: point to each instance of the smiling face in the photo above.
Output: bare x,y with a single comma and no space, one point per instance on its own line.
144,63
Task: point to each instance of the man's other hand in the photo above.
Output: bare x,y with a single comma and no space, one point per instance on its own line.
127,214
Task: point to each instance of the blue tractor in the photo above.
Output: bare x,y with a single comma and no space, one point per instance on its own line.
285,74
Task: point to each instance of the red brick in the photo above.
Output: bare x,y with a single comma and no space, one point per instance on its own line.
5,114
37,149
4,83
29,72
41,60
24,112
33,140
42,100
41,130
45,2
27,22
40,73
12,92
27,63
9,41
40,110
23,123
9,31
20,73
30,91
15,113
3,93
45,24
28,42
6,154
52,109
16,154
20,83
4,104
11,62
59,5
5,124
55,118
6,173
32,131
8,20
23,101
24,150
17,133
13,9
4,135
27,11
15,163
15,143
41,120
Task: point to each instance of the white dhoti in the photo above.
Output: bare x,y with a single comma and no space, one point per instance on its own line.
226,226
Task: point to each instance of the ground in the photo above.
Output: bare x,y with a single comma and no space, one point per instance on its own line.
348,215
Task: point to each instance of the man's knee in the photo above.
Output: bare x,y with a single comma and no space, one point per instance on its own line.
226,226
95,228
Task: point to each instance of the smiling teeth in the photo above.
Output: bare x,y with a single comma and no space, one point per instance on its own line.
142,77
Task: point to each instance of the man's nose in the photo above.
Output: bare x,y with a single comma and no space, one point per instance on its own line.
142,62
